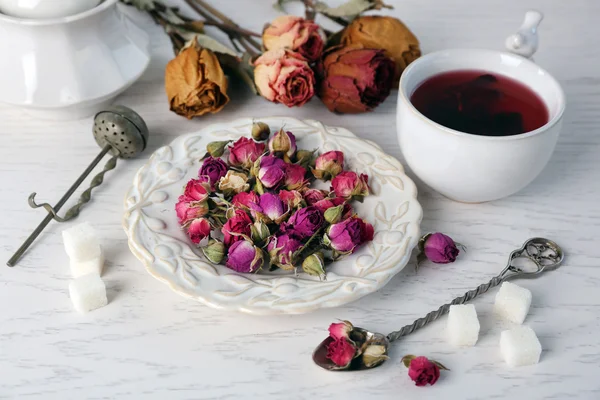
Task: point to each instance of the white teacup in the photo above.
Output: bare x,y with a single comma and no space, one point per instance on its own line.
45,9
473,168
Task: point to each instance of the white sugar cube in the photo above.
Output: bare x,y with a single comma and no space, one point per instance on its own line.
88,293
512,302
81,242
463,326
520,346
91,266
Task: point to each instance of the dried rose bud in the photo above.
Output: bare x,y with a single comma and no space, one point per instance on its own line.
244,257
216,149
281,248
233,182
259,231
260,131
314,265
341,352
283,142
438,248
214,251
374,355
341,329
328,165
198,229
349,185
333,215
304,157
422,370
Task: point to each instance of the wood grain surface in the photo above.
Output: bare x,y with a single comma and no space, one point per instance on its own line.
150,343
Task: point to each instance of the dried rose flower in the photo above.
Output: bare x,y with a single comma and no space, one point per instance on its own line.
354,79
272,171
269,208
244,199
188,209
243,256
340,330
195,83
292,198
384,33
341,352
295,177
374,355
281,248
438,248
198,229
283,142
422,370
236,226
344,237
197,189
260,131
295,33
214,169
214,251
244,152
259,231
233,182
314,265
305,222
328,165
283,76
348,185
333,215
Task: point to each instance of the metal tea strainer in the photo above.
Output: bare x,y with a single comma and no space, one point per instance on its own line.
121,132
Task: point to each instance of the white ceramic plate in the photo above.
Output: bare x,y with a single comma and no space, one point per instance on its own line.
156,239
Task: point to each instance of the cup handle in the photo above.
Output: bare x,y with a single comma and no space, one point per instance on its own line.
524,42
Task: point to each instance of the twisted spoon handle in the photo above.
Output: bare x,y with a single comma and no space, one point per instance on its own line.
432,316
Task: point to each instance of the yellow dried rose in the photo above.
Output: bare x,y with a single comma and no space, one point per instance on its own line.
195,83
385,33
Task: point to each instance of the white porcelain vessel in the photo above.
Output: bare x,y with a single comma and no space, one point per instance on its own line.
157,240
70,67
39,9
473,168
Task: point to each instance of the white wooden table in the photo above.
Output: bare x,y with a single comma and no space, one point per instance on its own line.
150,343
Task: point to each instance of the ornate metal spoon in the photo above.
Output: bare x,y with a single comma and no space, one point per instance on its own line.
543,253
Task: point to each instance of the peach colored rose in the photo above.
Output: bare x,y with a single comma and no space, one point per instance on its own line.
294,33
283,76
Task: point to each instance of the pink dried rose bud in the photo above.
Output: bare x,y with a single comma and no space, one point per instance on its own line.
244,199
295,177
244,152
236,227
296,33
313,195
328,165
283,76
305,222
349,185
269,208
344,237
188,209
198,229
243,256
271,172
438,248
341,352
281,248
340,330
213,169
422,370
283,142
197,189
292,198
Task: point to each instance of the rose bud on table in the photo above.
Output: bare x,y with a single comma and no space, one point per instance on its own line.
353,79
195,83
422,370
295,33
438,248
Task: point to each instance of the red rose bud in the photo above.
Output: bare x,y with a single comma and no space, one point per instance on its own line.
294,177
340,330
271,172
214,251
236,226
353,79
313,195
349,185
439,248
422,370
328,165
188,209
197,189
243,256
281,250
198,229
314,265
341,352
260,131
244,199
216,149
305,222
292,198
283,142
344,237
244,152
269,208
213,169
296,33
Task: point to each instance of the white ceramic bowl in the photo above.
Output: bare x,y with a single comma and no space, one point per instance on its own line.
70,67
42,9
473,168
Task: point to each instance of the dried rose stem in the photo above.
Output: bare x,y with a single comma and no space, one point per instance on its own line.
217,14
231,28
176,39
310,4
